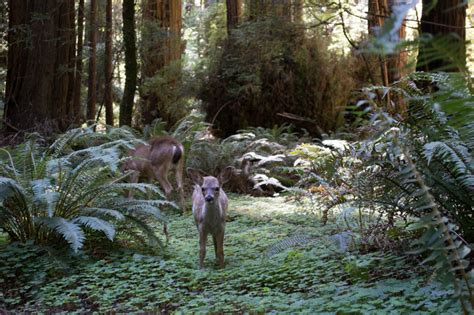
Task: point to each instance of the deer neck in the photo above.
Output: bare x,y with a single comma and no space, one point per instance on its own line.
213,209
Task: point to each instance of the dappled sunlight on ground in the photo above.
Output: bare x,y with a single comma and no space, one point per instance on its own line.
277,260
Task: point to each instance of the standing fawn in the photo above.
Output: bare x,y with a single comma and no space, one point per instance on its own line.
154,160
209,210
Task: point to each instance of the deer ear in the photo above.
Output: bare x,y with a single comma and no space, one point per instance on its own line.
225,175
195,175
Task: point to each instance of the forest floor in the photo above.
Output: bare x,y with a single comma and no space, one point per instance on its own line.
277,260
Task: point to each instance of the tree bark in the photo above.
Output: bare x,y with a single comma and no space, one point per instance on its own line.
92,80
41,49
109,109
233,14
77,111
129,39
447,18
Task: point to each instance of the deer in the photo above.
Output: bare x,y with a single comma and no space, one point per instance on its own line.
209,210
154,160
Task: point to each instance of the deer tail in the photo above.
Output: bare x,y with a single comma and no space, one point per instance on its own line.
177,153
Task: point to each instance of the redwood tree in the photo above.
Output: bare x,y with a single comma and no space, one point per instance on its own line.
92,80
109,110
129,41
233,13
77,110
445,20
41,48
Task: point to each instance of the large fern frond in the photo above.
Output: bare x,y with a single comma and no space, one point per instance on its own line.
103,212
97,225
68,230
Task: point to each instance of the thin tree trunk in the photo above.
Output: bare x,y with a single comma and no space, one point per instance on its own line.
446,19
79,66
92,80
109,109
71,74
129,39
40,62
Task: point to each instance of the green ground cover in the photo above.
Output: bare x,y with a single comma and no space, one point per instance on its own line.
264,273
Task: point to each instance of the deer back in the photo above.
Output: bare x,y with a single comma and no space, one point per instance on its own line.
165,150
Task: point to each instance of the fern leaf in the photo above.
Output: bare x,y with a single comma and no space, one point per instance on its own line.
104,212
97,225
147,210
142,187
70,231
147,230
58,146
9,186
43,194
289,242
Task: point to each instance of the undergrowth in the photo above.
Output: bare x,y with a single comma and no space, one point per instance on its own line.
311,275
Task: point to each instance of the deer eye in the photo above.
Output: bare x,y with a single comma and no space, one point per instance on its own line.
203,190
216,189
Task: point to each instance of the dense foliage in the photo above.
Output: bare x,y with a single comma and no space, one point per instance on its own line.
271,68
314,276
54,192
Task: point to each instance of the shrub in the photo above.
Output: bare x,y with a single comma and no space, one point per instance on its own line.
419,169
269,69
256,153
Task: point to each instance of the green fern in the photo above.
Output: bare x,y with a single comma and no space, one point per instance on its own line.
70,231
287,243
56,191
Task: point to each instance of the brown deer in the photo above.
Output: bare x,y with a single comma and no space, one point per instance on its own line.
209,210
154,160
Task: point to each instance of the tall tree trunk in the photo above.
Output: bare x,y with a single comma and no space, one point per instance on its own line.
92,80
159,52
71,72
129,39
443,18
41,48
109,109
77,110
233,14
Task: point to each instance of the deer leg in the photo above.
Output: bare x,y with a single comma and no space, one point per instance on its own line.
214,239
220,248
150,177
179,182
162,175
133,179
202,249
